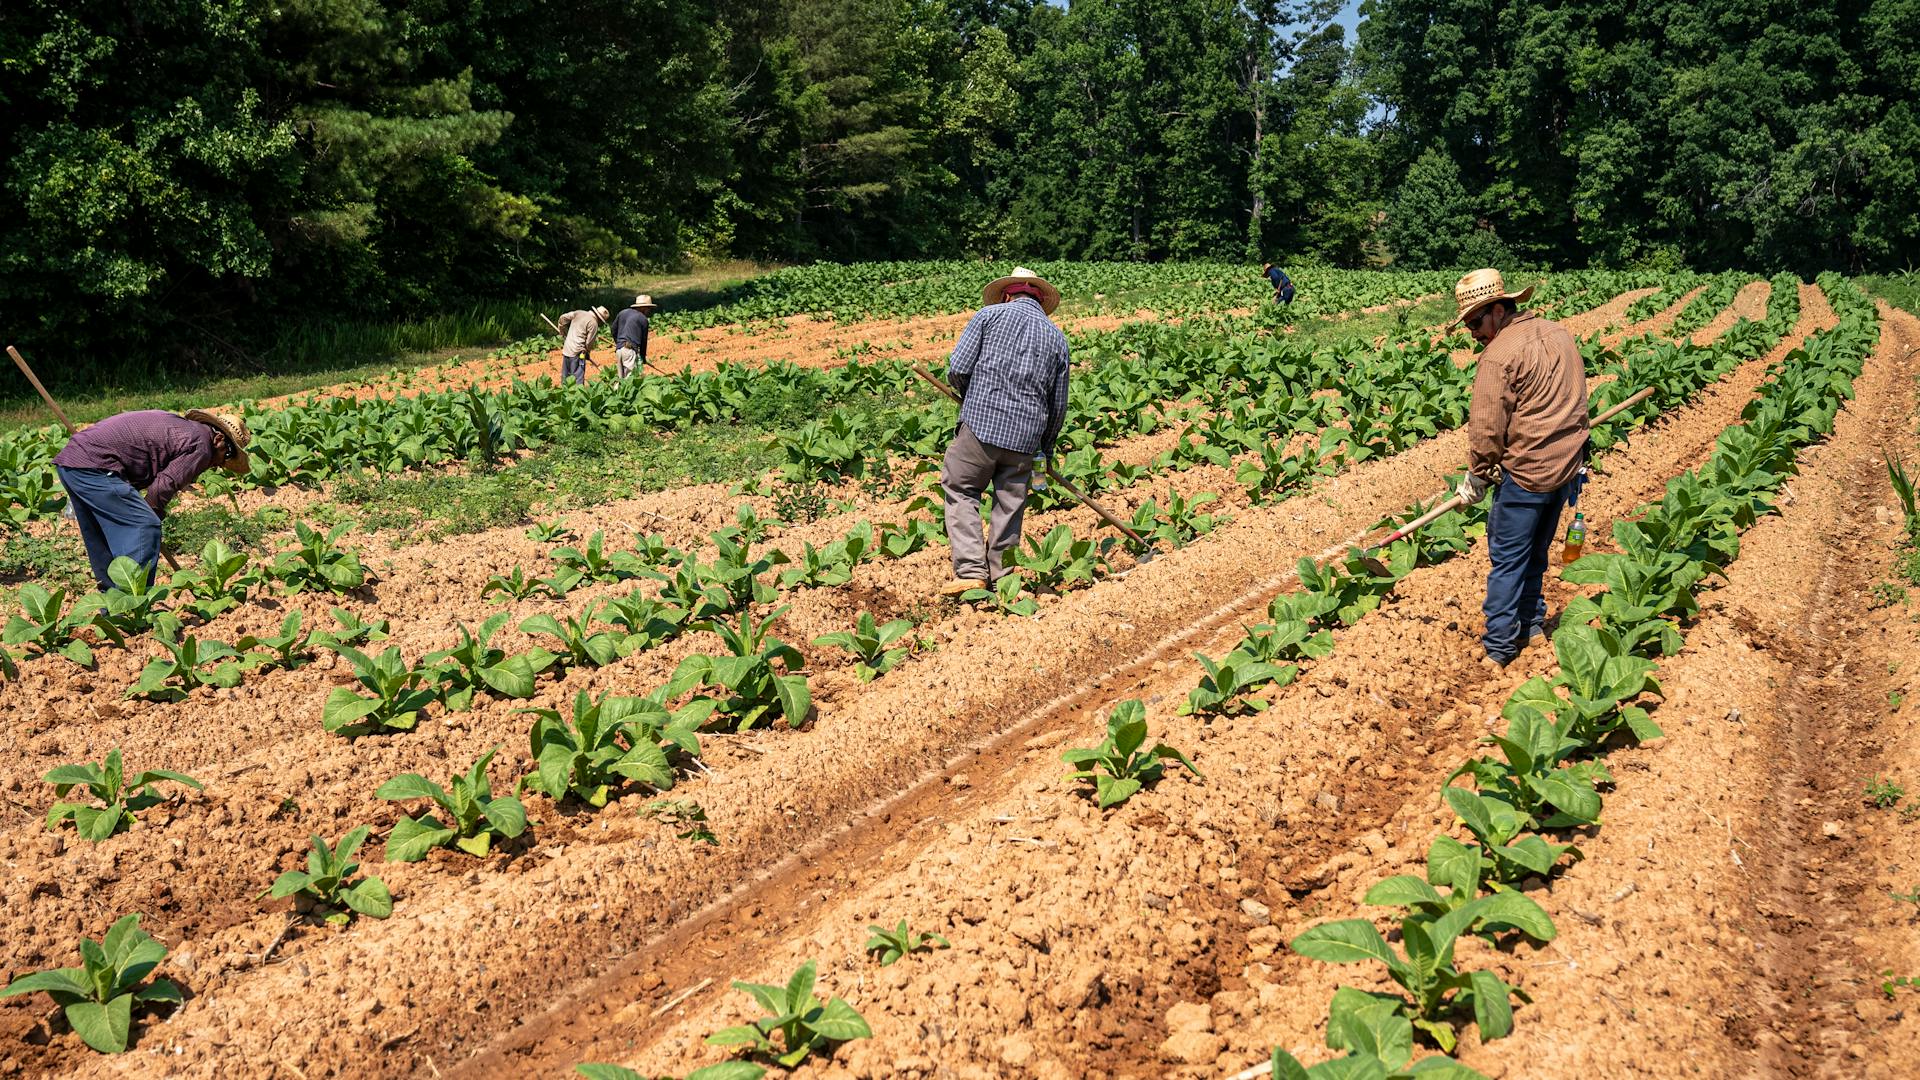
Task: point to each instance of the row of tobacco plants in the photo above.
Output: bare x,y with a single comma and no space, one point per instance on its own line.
1542,779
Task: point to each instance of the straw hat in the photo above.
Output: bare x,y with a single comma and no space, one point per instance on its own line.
644,303
602,314
996,290
1480,288
234,428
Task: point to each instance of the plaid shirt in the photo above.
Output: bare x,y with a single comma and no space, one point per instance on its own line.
152,450
1010,366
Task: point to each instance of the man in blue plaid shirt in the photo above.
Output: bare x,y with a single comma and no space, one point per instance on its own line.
1010,368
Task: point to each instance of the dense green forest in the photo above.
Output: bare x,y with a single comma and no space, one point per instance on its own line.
196,172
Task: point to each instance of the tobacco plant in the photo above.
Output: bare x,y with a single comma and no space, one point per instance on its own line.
580,644
326,886
1599,675
890,945
1225,688
221,582
98,997
683,812
474,816
474,664
116,796
1058,561
288,649
514,586
1004,596
1119,767
644,621
805,1025
316,562
868,644
1378,1040
173,676
398,694
549,532
759,678
45,627
608,741
593,564
130,607
350,629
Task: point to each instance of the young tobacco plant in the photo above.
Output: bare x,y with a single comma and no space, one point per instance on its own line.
1224,689
643,620
474,665
805,1025
1004,596
116,796
1058,562
350,630
580,644
760,676
398,694
288,649
515,586
592,563
130,607
326,887
725,1070
890,945
317,562
869,643
173,676
45,627
221,582
1378,1040
1599,675
609,741
683,812
474,816
1119,767
549,532
98,997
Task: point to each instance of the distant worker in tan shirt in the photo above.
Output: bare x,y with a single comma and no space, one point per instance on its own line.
1527,434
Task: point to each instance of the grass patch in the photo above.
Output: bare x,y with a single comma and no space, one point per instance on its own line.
1902,290
57,560
580,471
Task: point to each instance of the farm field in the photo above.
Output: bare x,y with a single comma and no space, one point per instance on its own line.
723,771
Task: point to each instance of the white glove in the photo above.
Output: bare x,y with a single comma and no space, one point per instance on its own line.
1472,489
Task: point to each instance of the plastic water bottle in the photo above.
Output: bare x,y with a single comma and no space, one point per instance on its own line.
1039,472
1576,539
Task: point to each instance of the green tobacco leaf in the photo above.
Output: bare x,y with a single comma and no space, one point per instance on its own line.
838,1021
344,708
412,838
103,1027
1403,890
96,823
728,1070
369,898
411,786
1348,941
1111,791
56,982
597,1071
507,815
1491,1009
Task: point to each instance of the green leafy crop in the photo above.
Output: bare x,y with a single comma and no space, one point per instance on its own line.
474,816
804,1024
116,796
759,678
326,887
397,694
869,643
317,562
1119,767
98,997
891,945
609,741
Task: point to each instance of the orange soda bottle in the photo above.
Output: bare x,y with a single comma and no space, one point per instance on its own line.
1576,539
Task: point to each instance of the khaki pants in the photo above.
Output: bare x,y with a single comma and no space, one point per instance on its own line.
629,360
970,466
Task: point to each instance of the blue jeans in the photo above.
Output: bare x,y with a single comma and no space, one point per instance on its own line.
114,520
573,368
1520,530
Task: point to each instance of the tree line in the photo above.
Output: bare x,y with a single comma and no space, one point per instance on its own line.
200,170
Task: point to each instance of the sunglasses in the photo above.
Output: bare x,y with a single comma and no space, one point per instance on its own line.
1473,321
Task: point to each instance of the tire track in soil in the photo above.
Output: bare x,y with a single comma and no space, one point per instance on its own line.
1130,1007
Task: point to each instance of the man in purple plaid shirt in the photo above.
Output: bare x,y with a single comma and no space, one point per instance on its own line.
1010,368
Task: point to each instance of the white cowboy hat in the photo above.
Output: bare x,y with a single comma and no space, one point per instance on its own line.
1480,288
996,290
602,314
643,302
234,428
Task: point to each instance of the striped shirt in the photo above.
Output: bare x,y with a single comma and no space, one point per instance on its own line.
1010,366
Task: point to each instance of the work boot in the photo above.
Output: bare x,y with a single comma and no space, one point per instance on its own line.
961,585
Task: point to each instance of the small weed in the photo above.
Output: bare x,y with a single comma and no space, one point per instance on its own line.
1911,896
1892,983
1894,698
1883,793
1886,594
683,812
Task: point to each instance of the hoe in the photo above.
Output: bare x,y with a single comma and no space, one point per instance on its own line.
1374,566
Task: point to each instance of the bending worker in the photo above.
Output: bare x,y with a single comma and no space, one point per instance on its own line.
104,468
1282,284
630,334
581,328
1010,368
1527,433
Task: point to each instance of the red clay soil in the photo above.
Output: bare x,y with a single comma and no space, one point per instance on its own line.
1062,967
604,916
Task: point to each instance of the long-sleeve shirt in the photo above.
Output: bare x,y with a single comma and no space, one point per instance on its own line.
152,450
1010,367
630,330
581,328
1529,410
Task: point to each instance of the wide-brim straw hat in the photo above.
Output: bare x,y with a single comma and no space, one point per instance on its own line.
602,314
643,302
1480,288
996,290
234,428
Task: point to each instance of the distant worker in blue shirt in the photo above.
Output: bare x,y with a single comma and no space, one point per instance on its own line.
1282,285
1010,369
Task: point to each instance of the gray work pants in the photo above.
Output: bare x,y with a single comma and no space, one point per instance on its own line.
630,359
971,465
573,369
